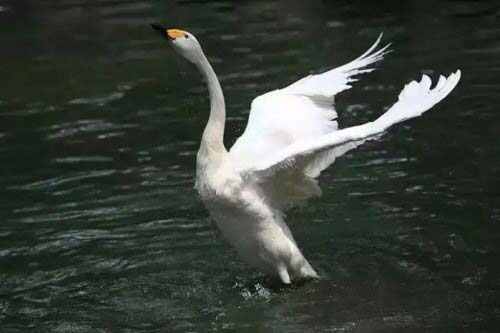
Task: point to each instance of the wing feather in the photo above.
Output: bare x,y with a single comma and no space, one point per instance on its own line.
415,99
323,87
301,111
285,118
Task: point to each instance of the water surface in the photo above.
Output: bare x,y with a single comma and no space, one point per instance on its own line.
101,230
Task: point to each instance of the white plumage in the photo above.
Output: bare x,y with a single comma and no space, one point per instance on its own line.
291,136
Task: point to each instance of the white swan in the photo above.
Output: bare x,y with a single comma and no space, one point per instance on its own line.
290,138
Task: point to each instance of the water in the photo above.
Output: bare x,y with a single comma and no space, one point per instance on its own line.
101,230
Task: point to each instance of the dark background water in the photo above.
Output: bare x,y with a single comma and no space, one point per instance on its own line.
101,230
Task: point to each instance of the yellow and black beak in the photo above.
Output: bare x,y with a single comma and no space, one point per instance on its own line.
162,30
169,34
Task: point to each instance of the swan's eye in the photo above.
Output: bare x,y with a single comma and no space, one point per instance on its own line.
186,36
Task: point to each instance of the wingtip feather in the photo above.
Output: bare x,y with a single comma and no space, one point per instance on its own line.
374,45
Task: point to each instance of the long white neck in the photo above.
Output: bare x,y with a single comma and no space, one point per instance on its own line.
212,142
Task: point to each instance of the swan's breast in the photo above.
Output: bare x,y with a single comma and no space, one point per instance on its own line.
219,184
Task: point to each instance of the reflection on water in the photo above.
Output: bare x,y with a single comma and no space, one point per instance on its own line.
99,125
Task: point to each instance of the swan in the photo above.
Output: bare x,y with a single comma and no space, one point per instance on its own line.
291,136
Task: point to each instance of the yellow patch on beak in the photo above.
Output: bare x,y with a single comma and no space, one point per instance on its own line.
176,33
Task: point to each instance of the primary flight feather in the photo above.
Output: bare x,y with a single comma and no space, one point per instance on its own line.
291,136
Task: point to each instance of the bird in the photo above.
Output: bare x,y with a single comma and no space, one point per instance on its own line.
292,135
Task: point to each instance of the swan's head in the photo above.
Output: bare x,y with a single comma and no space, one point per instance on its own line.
182,41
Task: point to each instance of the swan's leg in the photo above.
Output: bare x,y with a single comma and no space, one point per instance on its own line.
283,274
300,267
307,272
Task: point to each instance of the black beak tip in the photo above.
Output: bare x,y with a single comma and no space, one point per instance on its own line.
157,27
161,29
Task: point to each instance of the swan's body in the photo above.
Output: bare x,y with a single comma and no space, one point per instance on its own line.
290,138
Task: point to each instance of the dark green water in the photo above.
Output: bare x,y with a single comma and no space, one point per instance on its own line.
101,230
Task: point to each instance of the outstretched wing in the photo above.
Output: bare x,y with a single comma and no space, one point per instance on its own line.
323,87
302,111
415,99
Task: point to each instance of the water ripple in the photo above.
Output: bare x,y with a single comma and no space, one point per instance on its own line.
57,181
100,101
84,126
102,230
